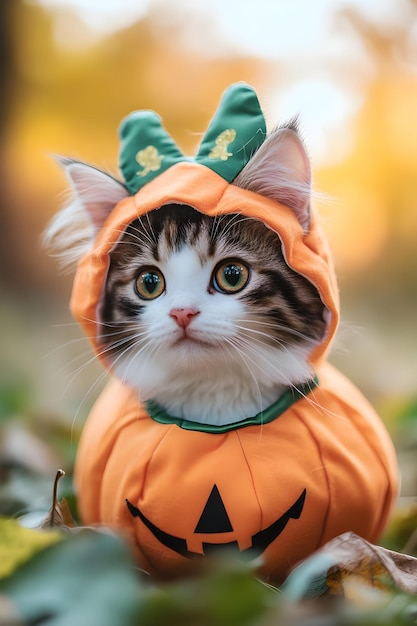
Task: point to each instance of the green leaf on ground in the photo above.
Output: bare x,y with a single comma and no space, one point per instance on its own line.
87,578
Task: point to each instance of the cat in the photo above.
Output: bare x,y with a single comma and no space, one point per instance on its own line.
206,287
202,314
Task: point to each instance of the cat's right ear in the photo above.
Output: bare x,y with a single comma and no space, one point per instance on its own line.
72,231
280,170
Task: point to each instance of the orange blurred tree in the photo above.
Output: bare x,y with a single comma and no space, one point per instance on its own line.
376,226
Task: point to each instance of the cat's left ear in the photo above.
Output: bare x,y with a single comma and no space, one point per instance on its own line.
280,169
72,231
97,192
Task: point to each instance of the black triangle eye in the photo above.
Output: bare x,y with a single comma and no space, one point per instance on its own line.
214,518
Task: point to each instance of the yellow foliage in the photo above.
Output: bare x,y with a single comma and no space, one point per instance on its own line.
19,544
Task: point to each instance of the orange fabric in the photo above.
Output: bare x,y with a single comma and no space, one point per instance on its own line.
330,445
334,447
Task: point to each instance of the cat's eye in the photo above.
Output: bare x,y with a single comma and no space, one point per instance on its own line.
230,276
150,283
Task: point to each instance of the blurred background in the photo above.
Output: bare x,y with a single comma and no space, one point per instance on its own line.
70,70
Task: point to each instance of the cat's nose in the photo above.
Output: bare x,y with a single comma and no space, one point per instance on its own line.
184,316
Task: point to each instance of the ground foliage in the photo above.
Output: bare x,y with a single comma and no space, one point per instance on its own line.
86,576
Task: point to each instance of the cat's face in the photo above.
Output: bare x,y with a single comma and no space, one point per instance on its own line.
191,296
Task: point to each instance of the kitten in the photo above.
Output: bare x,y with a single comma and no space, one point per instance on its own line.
208,290
202,314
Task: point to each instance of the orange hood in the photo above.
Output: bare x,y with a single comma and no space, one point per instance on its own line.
207,192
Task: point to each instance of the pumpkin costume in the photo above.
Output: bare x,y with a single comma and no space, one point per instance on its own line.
278,485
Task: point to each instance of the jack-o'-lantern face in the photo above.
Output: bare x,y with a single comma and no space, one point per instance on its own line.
213,520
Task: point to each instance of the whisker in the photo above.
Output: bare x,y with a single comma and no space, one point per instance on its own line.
231,343
260,346
145,349
275,326
307,396
84,399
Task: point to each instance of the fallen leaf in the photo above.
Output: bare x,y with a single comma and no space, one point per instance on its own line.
63,516
19,544
88,578
349,560
59,514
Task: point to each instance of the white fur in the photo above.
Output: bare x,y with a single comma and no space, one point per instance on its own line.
233,374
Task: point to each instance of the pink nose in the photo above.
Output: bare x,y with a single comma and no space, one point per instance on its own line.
183,317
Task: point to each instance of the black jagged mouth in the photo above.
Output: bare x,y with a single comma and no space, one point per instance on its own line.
259,541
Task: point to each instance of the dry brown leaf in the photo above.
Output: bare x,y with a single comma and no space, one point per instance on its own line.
59,514
62,516
365,563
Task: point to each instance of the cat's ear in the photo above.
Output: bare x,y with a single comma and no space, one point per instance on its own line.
72,231
281,170
95,190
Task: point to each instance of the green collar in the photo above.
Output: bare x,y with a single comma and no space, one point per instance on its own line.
288,398
233,136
